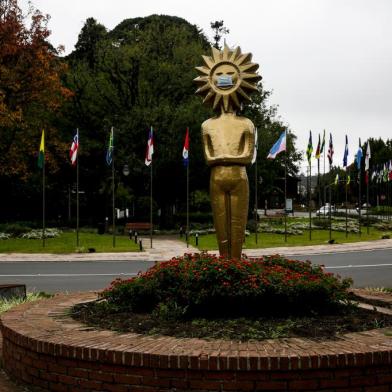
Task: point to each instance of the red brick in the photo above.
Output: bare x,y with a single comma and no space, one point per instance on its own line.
101,376
334,383
384,378
203,384
182,384
48,376
64,379
304,384
127,379
91,384
225,375
115,388
379,388
285,375
272,385
52,367
238,386
156,382
58,387
165,373
77,372
363,380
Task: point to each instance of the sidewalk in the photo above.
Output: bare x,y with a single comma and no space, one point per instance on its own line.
166,247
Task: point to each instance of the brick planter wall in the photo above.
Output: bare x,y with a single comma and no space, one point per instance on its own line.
43,347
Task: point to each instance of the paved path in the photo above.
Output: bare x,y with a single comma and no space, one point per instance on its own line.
166,247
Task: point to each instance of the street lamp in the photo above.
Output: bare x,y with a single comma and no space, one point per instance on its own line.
126,170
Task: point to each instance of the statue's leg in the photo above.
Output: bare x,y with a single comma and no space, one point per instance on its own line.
218,204
239,198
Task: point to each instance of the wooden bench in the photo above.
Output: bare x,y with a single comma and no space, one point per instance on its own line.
135,226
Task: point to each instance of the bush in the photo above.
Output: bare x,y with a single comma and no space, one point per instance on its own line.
37,234
207,285
15,229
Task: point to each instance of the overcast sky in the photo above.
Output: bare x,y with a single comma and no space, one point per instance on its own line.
328,62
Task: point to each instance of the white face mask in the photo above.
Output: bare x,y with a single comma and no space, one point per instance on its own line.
224,81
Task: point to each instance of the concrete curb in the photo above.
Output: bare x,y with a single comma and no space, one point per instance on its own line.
165,249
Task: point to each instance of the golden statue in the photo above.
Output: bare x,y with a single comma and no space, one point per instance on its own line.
225,80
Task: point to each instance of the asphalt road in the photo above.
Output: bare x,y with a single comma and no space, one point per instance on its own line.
370,268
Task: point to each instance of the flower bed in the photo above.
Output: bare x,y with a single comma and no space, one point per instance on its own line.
203,284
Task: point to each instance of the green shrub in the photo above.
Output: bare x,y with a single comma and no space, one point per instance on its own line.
15,229
207,285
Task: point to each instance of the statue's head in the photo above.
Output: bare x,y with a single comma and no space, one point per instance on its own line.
227,78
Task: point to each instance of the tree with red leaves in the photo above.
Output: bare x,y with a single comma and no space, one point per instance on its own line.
31,91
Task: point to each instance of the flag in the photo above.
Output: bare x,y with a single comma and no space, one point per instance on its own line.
322,143
374,174
390,170
185,150
278,147
359,156
109,152
318,151
255,147
337,179
367,157
345,156
330,150
73,152
385,173
309,150
41,154
150,148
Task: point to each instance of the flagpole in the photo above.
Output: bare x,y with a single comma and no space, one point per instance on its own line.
77,193
187,203
367,201
347,184
113,193
324,189
359,190
310,197
318,182
256,225
151,204
285,189
43,202
330,203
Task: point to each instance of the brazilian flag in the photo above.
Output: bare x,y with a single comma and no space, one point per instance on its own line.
309,150
41,154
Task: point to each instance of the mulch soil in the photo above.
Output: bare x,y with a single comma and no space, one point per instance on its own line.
345,319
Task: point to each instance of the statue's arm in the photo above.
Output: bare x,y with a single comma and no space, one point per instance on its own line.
247,144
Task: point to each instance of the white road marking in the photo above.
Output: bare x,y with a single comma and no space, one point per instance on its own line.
67,275
357,266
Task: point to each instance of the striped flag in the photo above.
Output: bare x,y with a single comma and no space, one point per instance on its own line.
309,150
368,156
345,156
109,152
73,152
330,150
150,148
278,147
185,150
255,148
41,154
322,143
318,149
359,156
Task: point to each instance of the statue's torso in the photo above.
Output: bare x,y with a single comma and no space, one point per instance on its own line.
226,138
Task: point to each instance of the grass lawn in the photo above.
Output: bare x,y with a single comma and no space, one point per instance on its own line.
270,240
66,243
